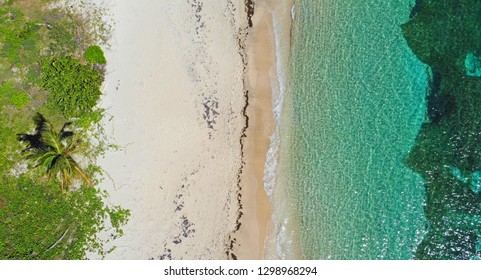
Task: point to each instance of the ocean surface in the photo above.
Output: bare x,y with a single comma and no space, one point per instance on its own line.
353,106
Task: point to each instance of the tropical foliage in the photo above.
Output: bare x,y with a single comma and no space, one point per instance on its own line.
42,69
38,222
52,151
94,54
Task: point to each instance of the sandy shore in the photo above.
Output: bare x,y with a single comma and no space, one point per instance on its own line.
264,60
180,74
255,202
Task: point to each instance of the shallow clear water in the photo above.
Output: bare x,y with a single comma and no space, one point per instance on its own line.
354,105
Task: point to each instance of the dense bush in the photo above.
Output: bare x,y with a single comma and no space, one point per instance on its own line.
72,87
94,54
37,222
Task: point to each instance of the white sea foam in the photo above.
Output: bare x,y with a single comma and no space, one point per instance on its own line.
278,91
281,239
293,12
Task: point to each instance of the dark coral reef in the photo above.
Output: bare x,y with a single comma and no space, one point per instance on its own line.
446,35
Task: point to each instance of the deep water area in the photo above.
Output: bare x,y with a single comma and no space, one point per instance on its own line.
446,36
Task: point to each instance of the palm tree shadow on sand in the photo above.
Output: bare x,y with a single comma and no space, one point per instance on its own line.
53,152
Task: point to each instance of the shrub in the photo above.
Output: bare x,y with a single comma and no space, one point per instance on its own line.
94,54
73,88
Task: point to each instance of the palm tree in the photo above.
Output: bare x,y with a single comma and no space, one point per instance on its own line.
52,151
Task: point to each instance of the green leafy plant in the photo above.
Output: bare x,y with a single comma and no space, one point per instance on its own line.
73,88
94,54
52,151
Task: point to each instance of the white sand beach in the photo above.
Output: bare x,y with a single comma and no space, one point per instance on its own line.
175,96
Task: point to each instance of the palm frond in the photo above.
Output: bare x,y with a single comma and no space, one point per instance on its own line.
74,147
79,173
50,138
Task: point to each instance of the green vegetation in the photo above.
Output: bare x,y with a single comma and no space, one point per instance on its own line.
52,151
18,36
94,54
18,98
442,33
43,69
38,222
72,87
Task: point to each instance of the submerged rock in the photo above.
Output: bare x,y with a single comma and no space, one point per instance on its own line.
473,65
418,5
438,106
476,182
474,179
458,174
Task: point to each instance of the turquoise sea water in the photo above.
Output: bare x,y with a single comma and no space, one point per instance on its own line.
355,104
